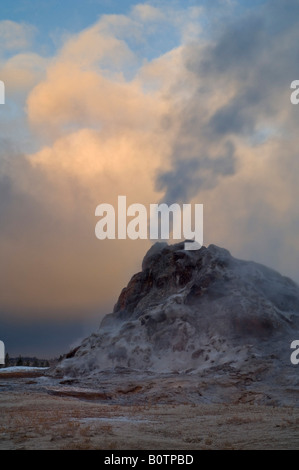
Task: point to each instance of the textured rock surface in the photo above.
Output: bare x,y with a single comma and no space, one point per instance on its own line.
201,312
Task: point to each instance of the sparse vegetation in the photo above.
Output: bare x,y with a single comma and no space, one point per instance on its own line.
41,421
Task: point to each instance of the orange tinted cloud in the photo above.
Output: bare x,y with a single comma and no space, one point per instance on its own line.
104,139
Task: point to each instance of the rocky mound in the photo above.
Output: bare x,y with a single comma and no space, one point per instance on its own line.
196,311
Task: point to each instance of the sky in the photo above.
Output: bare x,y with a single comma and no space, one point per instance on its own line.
175,102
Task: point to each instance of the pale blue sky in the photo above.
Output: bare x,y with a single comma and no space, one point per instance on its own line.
53,18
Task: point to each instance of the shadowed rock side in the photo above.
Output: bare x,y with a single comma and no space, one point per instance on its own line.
196,311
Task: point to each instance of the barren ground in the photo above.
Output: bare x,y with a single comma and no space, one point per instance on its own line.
38,420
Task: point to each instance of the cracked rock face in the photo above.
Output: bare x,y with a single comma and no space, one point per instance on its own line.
193,311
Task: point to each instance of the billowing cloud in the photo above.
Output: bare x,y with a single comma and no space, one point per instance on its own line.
101,139
147,12
15,36
22,72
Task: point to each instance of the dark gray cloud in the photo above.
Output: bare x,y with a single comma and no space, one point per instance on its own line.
238,46
231,119
251,60
188,176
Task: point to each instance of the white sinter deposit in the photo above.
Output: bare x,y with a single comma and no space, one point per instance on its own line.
195,311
